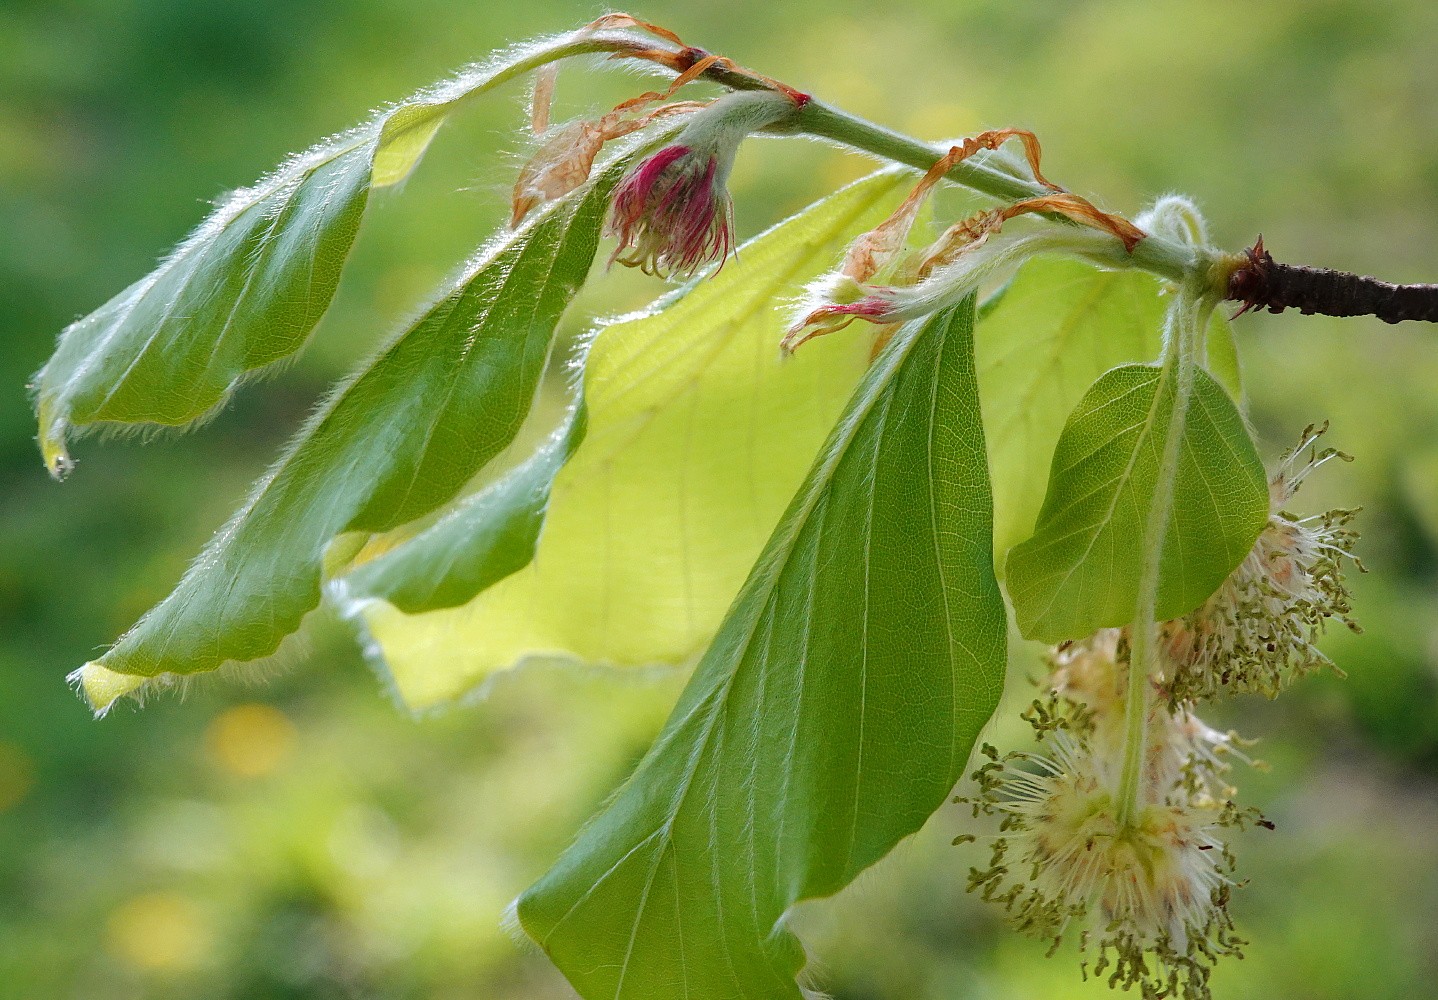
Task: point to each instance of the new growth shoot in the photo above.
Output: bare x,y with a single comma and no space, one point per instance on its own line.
1117,829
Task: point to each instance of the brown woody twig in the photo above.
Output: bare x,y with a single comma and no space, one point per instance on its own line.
1262,282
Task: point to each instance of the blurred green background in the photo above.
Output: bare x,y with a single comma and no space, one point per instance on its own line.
308,839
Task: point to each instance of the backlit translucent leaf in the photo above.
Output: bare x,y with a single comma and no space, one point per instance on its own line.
391,445
1222,356
698,434
1079,572
248,286
833,713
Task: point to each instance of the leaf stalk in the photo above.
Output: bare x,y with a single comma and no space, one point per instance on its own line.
1184,329
1167,258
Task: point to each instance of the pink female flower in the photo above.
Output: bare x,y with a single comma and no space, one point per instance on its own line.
672,214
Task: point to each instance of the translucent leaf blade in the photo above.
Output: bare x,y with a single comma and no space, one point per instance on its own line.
698,434
1079,571
393,444
1053,330
1222,356
832,714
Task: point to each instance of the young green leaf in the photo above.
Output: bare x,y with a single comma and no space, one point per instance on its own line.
699,432
1079,572
244,291
833,713
391,445
487,536
1060,324
248,286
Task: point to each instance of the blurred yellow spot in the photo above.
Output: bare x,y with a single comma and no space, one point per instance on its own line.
251,740
17,774
160,931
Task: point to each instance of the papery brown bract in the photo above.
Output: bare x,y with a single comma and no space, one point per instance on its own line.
884,282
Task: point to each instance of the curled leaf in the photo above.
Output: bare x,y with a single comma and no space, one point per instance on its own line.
246,289
395,442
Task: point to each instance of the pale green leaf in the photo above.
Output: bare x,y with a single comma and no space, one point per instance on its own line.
698,434
833,713
1080,570
248,286
1040,343
394,443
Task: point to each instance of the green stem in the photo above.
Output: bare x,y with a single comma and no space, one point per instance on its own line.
1176,261
1170,259
549,50
1187,321
828,122
1163,257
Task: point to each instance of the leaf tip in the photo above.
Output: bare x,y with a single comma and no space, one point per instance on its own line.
52,440
101,687
57,459
403,139
510,923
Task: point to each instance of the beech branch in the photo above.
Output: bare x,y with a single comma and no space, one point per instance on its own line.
1263,282
1258,282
